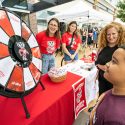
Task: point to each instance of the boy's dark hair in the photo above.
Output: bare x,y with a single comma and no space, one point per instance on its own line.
122,46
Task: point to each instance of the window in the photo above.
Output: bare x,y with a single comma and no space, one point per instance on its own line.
18,4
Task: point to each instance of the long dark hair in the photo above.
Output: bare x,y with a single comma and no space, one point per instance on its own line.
57,33
75,32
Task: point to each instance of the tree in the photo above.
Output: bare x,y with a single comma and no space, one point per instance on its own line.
121,10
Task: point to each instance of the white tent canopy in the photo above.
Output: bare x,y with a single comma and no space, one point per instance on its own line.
81,9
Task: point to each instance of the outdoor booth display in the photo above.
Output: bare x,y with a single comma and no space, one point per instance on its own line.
20,58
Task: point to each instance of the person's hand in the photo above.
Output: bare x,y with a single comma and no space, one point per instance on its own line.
102,67
72,56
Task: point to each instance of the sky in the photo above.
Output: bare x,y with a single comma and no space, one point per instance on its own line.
114,2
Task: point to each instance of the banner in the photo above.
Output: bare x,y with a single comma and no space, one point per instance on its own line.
79,96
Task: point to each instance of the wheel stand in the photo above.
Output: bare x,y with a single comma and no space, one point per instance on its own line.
24,104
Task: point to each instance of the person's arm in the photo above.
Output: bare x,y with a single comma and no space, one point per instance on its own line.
64,39
77,50
58,43
99,66
37,39
65,49
73,56
102,67
100,99
79,41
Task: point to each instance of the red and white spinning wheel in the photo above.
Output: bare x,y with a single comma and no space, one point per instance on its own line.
20,58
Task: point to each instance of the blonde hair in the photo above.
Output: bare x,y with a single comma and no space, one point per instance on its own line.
102,39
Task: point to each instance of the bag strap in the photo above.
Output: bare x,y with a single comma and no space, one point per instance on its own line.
71,39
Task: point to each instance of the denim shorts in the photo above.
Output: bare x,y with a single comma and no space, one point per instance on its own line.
67,58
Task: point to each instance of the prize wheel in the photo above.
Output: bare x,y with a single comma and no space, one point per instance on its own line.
20,58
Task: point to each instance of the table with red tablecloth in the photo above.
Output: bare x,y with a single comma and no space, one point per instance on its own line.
91,83
52,106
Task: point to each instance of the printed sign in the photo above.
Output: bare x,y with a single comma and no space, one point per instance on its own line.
79,96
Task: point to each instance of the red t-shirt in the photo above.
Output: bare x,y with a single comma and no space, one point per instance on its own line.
48,45
66,38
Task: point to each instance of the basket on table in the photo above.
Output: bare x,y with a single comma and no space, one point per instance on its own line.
57,74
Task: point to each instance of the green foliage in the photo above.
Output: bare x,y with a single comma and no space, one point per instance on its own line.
121,10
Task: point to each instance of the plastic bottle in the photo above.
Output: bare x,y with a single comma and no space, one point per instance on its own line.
94,54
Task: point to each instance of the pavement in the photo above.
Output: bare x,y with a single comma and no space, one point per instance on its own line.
82,119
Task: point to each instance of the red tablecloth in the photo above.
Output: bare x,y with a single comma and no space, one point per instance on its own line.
52,106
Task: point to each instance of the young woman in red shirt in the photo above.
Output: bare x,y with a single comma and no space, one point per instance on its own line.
49,41
71,43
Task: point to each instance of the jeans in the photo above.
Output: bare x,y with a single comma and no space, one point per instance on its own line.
48,61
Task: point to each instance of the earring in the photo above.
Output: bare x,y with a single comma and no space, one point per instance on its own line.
107,64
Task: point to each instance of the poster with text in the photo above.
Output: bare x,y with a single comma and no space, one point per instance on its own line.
79,96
